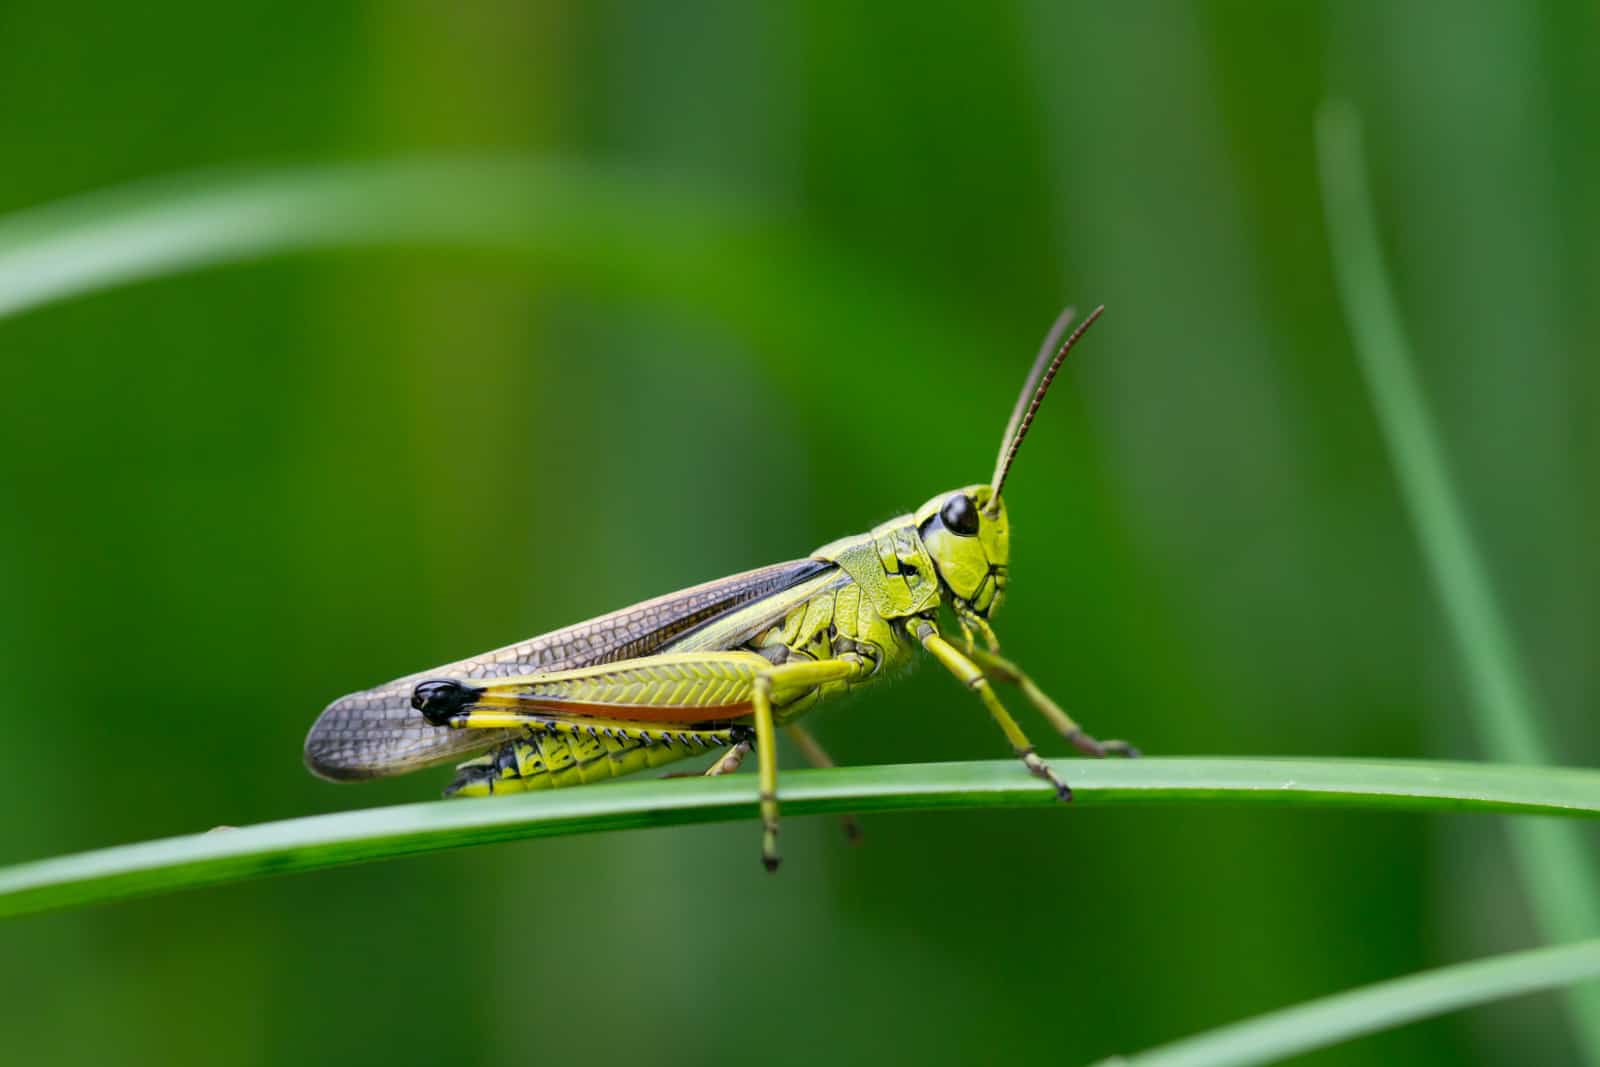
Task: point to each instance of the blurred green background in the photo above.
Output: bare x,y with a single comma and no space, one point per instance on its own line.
227,497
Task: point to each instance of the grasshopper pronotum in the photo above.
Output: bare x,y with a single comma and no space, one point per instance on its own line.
722,665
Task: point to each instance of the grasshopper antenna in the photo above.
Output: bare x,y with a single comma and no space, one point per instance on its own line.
1040,361
1037,385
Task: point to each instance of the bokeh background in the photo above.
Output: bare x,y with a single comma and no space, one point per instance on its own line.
228,496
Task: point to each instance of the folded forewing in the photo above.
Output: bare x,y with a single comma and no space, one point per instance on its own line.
376,732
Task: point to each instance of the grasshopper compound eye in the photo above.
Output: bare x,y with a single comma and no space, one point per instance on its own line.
960,515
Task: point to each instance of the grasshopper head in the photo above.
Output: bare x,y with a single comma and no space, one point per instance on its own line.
970,543
967,532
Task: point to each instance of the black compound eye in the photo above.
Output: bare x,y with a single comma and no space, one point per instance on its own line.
960,515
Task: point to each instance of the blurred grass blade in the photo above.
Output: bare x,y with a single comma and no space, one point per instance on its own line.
158,228
1555,867
1345,1016
701,249
333,840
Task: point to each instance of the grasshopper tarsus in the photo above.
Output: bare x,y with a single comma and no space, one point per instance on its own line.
1063,790
1090,746
1040,769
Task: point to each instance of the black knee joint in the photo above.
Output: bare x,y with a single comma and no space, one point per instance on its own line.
442,699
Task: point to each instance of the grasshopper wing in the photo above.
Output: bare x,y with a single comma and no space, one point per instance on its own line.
376,732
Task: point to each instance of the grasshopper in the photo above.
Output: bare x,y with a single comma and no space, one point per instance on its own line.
719,667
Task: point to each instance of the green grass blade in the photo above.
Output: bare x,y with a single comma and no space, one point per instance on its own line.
332,840
699,250
158,228
1344,1016
1555,867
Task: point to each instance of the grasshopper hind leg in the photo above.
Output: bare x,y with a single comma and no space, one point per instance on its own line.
818,757
795,679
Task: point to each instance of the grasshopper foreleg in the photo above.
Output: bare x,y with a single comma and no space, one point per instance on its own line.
963,667
1004,670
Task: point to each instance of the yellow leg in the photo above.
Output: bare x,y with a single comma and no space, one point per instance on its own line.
734,678
791,681
820,759
767,771
972,675
1006,671
730,760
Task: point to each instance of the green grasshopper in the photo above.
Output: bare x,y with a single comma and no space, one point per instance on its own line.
719,667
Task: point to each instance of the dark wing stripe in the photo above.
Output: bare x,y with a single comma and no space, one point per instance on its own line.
376,732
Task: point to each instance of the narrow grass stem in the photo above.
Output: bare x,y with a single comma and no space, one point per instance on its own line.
1357,1012
167,226
1555,868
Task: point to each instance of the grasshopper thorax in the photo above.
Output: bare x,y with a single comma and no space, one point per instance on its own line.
968,537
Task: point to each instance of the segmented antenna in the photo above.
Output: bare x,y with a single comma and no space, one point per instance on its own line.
1040,362
1037,385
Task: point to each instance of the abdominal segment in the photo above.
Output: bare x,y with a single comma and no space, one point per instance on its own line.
555,753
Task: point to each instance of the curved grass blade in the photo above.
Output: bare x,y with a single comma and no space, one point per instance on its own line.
701,250
1556,869
1345,1016
158,228
333,840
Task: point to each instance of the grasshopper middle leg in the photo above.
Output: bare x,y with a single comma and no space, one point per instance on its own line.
726,763
1004,670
